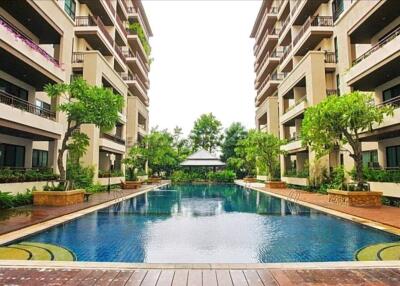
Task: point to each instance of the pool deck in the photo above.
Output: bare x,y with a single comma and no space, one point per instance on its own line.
30,219
305,274
384,218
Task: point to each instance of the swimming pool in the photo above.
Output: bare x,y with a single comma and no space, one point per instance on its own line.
210,223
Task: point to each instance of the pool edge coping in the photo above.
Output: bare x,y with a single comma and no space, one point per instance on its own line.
41,226
363,221
130,266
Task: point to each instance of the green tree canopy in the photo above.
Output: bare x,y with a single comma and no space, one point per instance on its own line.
264,149
206,133
339,120
83,104
135,161
233,134
180,144
159,151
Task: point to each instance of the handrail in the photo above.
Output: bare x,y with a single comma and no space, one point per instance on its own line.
286,52
274,32
19,103
119,52
274,76
129,77
377,46
89,21
131,9
114,138
273,54
330,57
19,35
271,10
77,57
395,102
316,21
110,6
284,25
121,25
330,92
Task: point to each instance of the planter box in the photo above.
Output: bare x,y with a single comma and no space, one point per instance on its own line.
58,198
355,199
131,184
250,180
275,185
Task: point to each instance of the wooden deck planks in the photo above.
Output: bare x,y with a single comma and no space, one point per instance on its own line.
180,277
166,278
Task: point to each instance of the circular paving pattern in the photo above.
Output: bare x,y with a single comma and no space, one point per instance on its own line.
380,251
36,251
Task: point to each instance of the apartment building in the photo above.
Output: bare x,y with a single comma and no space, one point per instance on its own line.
54,41
310,49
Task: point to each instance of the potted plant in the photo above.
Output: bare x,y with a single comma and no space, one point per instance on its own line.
339,121
82,104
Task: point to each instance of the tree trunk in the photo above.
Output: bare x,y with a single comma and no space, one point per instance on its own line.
61,151
358,162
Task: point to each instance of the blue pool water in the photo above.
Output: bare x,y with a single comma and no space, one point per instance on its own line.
218,223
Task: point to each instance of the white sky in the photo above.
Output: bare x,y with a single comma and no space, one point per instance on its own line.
203,61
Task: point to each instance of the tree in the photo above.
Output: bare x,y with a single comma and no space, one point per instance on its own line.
233,134
135,161
159,152
206,133
83,104
339,120
180,144
264,149
239,162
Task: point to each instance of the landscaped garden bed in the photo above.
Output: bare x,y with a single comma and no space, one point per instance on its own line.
355,198
58,198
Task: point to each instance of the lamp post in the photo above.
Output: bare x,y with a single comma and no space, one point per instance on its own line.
112,160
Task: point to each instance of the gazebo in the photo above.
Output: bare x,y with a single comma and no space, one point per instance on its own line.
203,158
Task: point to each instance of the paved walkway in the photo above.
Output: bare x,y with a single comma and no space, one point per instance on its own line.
15,219
385,215
199,277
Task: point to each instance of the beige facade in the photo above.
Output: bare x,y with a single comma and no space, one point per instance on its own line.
53,41
317,49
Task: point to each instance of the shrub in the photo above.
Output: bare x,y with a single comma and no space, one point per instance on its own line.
81,177
137,28
113,173
226,176
32,175
95,188
7,200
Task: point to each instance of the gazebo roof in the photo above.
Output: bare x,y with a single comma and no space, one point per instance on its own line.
202,158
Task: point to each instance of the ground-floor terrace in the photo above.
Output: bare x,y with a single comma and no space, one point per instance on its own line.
14,273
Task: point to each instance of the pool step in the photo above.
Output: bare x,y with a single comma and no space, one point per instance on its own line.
378,252
36,251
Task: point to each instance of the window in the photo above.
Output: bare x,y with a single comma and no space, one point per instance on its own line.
12,156
13,89
336,49
69,7
337,8
39,158
370,158
391,93
43,105
393,156
338,84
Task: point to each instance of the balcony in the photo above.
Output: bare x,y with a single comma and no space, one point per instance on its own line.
122,9
95,33
283,9
313,31
295,110
136,64
378,65
120,60
302,9
21,56
269,86
120,34
268,43
103,9
389,128
269,19
136,87
112,143
269,64
136,45
286,60
285,34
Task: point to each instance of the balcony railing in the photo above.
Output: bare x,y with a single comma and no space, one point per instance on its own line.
330,92
275,76
286,52
338,11
125,5
110,6
293,137
272,32
317,21
127,53
21,36
90,21
131,10
273,54
16,102
284,25
297,102
78,57
377,46
121,25
131,77
113,138
395,102
330,57
118,50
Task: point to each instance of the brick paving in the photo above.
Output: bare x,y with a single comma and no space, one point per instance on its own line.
15,219
385,215
199,277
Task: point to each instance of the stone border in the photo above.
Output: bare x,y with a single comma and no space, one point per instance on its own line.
353,218
29,230
130,266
